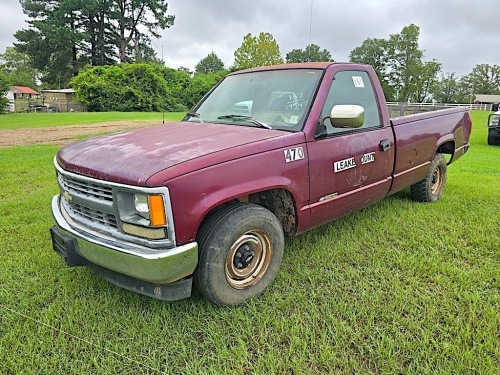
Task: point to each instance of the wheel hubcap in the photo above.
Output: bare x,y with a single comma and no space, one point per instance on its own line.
243,257
248,259
437,178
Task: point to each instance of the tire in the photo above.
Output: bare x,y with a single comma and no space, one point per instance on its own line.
492,141
240,251
432,186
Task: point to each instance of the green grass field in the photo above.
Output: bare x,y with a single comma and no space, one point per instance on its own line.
39,120
399,287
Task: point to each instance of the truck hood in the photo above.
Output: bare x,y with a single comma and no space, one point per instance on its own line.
132,157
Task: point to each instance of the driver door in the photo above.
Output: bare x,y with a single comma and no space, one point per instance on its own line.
350,168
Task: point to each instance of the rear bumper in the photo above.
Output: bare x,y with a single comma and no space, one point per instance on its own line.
130,266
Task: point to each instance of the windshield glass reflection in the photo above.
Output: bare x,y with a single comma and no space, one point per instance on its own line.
277,99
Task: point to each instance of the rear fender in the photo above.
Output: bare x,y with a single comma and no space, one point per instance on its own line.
446,145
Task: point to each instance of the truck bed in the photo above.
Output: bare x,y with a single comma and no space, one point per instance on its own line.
419,135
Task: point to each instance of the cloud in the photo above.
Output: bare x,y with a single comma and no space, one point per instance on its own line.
458,34
11,20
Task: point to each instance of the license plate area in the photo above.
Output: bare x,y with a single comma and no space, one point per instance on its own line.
66,247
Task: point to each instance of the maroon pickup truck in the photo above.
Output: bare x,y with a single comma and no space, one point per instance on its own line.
269,152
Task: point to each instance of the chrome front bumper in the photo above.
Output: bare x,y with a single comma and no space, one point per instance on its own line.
156,266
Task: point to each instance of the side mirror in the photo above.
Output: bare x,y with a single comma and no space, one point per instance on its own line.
347,116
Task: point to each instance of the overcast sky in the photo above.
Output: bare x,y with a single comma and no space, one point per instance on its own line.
458,33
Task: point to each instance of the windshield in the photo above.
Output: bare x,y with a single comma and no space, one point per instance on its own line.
276,99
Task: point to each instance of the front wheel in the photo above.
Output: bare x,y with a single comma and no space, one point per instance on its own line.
493,141
431,187
241,249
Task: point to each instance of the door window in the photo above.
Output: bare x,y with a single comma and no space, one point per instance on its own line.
351,88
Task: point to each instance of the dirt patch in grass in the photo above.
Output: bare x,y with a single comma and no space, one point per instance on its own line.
60,135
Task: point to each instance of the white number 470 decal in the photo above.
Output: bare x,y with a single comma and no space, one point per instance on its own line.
293,154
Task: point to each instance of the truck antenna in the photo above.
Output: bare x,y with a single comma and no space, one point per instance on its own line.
310,33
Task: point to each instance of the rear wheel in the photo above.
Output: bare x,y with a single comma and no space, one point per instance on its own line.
431,187
241,249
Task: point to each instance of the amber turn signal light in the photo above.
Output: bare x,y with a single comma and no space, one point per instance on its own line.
157,211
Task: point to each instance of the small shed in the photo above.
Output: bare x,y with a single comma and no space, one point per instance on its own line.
63,100
21,98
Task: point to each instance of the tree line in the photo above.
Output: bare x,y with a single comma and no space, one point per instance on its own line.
65,35
406,76
102,48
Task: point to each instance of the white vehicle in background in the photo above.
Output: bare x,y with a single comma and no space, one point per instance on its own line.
494,128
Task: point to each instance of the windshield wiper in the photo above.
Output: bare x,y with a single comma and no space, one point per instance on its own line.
193,115
246,118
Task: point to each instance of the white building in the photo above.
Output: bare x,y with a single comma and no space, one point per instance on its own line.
19,98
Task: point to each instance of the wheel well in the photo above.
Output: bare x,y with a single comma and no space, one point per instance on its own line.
281,203
447,148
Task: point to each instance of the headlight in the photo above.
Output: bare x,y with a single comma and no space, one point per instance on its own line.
152,208
494,120
142,205
144,215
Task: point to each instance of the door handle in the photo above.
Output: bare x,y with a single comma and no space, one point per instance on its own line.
385,145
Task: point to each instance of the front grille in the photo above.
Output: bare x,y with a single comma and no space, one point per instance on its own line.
87,188
87,214
92,204
88,201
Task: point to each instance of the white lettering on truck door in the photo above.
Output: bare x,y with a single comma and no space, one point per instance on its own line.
342,165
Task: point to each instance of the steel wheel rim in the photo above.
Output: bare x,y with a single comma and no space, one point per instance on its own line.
248,259
437,180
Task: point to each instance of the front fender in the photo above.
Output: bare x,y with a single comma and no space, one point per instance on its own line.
196,194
